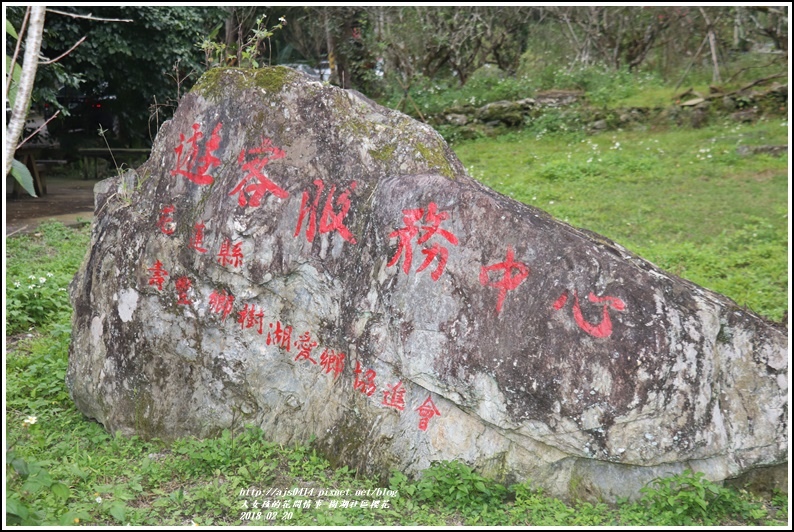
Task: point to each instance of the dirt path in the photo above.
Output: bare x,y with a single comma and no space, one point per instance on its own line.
70,201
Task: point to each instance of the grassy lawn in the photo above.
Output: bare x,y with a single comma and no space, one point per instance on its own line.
681,198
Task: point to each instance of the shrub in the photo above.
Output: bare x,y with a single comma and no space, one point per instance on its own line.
455,485
689,498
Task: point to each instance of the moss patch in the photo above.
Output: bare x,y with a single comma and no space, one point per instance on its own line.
216,82
273,79
383,154
436,159
145,426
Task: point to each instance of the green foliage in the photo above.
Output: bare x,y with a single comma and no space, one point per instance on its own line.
603,88
603,85
23,177
433,96
147,62
457,486
40,269
533,507
245,55
689,498
779,504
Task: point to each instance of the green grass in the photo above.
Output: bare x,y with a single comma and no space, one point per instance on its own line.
681,198
37,275
65,469
602,87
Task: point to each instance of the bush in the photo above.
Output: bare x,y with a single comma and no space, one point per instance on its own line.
435,96
689,498
457,486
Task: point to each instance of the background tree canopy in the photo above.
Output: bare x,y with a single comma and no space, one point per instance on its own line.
383,51
138,62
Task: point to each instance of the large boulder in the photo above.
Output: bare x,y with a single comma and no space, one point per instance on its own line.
296,257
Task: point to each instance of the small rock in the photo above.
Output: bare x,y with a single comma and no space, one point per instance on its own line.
599,125
693,102
457,119
776,151
746,116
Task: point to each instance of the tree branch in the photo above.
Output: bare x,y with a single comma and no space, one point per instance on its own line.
67,52
89,16
759,82
50,119
26,79
10,77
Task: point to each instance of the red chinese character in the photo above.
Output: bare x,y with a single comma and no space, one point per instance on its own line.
305,345
198,238
229,254
603,329
330,220
249,317
280,337
183,284
508,281
158,275
395,396
189,164
330,360
426,411
407,233
261,184
221,302
367,384
166,223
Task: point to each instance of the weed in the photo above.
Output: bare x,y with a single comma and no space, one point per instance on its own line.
37,295
457,486
689,498
247,54
534,508
35,301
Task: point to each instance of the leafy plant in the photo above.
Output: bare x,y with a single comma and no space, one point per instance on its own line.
537,509
689,498
35,301
245,55
37,297
456,485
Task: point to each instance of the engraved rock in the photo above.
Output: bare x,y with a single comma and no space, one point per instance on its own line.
296,257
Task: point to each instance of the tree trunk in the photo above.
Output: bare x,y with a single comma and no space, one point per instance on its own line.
713,45
26,79
329,43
